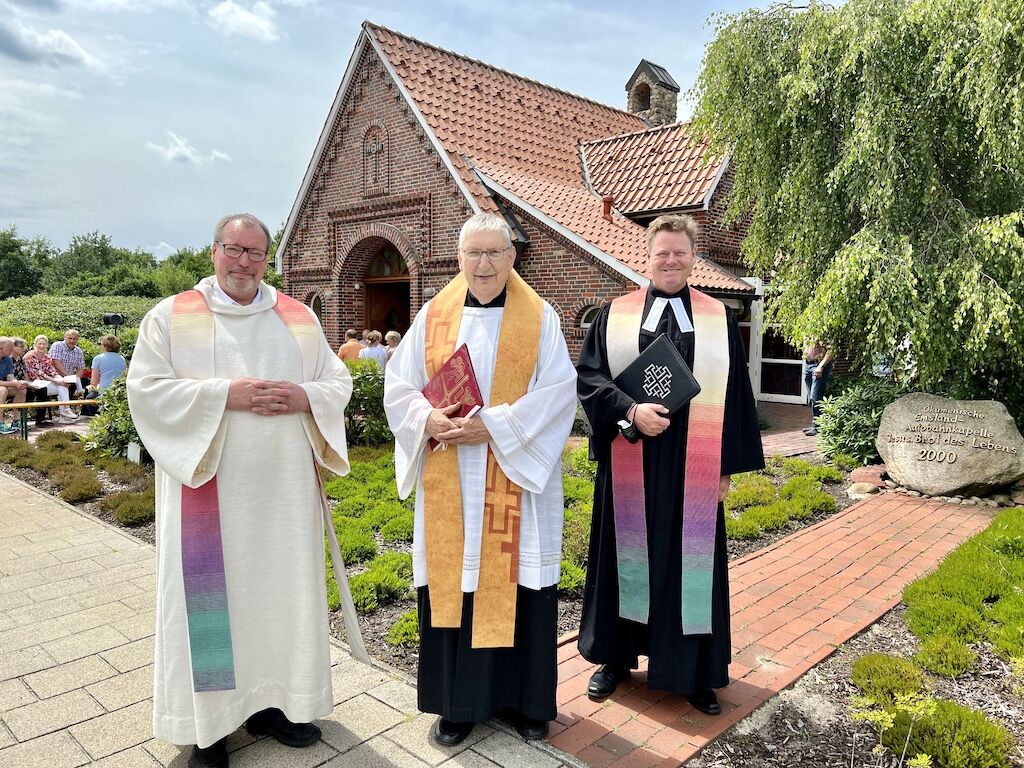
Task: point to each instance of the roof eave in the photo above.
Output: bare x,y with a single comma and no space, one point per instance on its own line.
715,182
605,258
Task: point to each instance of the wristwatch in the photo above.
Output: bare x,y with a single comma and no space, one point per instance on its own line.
628,430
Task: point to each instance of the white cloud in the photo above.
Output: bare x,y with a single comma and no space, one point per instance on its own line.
126,5
54,47
161,250
230,18
180,150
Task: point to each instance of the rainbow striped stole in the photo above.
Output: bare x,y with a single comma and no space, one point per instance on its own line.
494,606
202,551
703,465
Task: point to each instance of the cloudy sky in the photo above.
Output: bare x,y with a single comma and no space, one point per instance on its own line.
149,119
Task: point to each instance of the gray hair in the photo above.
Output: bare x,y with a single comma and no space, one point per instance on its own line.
485,222
245,219
392,336
19,342
5,340
72,330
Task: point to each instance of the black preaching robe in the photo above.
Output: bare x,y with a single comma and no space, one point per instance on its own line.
676,662
465,684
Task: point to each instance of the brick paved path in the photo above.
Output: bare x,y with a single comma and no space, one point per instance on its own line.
792,604
785,436
76,665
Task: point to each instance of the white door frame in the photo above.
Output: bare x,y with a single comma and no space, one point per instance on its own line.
756,348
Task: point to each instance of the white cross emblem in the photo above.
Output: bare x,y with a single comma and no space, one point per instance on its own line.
657,381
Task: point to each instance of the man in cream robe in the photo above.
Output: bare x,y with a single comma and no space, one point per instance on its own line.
238,397
464,676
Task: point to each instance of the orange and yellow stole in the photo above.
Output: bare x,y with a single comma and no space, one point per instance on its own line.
494,606
703,464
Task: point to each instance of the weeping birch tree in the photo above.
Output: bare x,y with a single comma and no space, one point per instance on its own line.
880,148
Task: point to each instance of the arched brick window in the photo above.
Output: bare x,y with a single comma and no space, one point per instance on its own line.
587,315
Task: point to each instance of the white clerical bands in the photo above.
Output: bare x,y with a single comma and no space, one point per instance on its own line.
658,308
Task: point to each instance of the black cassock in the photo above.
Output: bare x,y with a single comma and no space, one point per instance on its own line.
676,662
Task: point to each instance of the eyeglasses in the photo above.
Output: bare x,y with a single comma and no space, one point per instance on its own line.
491,255
236,251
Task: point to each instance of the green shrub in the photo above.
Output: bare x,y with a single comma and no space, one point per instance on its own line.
577,490
945,655
365,421
58,439
770,517
826,474
750,490
845,462
379,584
356,540
399,528
793,467
576,461
368,453
17,452
405,632
799,486
809,504
120,470
849,422
76,483
47,460
82,312
883,677
398,563
376,517
572,579
112,429
741,528
954,736
576,536
130,507
937,615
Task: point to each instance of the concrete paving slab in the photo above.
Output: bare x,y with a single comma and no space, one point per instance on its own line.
69,677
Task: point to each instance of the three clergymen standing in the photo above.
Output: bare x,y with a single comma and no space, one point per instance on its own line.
240,399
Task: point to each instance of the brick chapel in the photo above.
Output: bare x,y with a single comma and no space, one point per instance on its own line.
419,138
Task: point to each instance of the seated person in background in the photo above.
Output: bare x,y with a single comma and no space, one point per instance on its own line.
10,387
69,358
374,351
351,348
20,347
391,341
106,367
40,367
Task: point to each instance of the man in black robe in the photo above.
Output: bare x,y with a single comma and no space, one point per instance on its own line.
692,664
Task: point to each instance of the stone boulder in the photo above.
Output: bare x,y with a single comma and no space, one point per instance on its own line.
945,447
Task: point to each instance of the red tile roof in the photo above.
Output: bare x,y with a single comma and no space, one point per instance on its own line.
652,170
526,136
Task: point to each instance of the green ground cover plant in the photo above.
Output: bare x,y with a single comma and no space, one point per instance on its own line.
386,579
405,632
975,594
754,505
578,492
131,508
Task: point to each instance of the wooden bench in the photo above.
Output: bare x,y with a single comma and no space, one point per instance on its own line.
24,408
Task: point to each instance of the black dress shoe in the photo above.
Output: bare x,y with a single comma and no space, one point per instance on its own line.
811,431
449,734
706,701
607,678
272,722
530,729
213,756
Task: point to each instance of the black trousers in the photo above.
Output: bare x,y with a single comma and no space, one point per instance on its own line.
466,684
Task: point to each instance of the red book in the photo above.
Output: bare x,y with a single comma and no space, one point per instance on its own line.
455,383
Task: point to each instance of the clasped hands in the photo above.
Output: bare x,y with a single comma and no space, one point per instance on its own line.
446,428
267,398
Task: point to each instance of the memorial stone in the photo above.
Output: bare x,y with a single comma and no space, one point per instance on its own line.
945,447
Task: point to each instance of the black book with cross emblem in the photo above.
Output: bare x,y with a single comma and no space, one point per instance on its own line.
659,375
